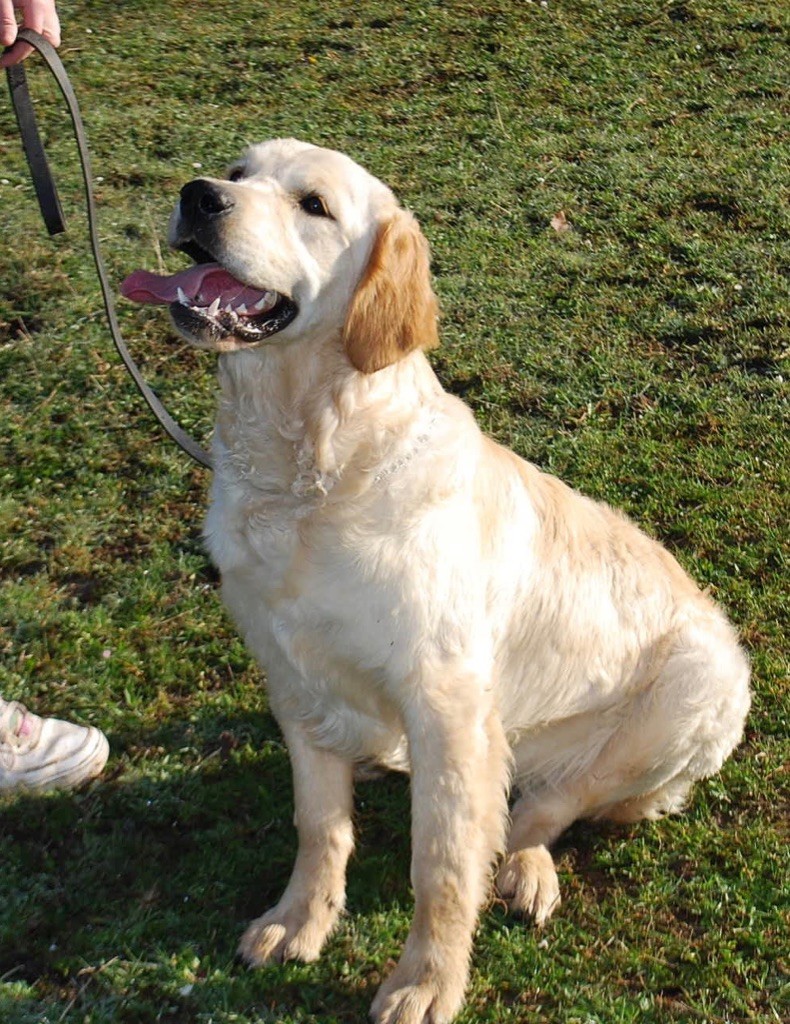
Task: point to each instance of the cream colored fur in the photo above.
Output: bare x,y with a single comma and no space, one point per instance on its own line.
422,598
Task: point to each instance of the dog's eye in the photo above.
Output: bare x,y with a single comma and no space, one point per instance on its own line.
314,205
236,174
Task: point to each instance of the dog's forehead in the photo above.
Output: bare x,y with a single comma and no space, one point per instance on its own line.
301,166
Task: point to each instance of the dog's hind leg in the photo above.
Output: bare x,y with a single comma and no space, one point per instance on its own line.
527,878
691,721
637,761
297,927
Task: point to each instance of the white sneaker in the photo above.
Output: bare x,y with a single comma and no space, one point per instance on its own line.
46,753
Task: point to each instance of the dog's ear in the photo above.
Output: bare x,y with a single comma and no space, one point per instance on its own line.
393,310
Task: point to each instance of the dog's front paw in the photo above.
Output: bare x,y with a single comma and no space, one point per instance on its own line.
404,1000
285,934
528,881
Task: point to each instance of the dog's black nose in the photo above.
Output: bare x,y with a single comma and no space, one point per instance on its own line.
202,200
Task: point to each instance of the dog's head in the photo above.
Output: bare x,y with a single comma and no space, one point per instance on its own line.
297,242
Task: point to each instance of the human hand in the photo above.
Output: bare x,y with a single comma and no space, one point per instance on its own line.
40,15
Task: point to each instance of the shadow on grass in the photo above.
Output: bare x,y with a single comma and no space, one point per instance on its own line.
165,859
124,901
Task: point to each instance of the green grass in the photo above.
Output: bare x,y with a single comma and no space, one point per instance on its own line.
642,356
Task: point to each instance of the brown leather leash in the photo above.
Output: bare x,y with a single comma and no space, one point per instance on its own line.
52,213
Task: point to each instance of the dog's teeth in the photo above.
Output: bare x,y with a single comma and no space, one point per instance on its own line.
227,309
242,309
213,309
182,298
264,302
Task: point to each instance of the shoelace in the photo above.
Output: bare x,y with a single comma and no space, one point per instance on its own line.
12,722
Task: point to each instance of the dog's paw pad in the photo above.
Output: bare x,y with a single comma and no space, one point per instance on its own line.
271,938
410,1005
416,1004
428,1002
528,881
262,942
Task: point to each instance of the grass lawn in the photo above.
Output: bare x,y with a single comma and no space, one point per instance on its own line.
642,355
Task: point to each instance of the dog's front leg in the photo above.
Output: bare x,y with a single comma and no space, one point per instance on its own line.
459,763
297,927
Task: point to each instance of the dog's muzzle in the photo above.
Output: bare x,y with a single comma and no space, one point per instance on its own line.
209,306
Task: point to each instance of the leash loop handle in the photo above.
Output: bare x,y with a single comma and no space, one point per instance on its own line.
53,217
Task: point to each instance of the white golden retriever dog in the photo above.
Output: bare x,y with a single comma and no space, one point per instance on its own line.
420,597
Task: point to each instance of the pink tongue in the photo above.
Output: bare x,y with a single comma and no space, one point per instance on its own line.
201,284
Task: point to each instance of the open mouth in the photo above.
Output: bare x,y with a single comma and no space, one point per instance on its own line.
211,307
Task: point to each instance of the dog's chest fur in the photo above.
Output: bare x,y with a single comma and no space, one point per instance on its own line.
324,638
313,583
